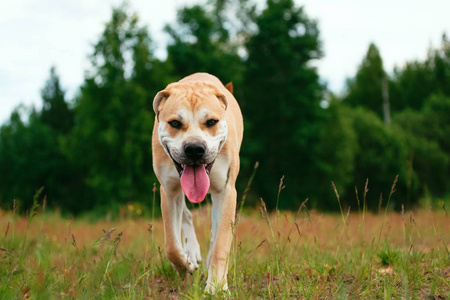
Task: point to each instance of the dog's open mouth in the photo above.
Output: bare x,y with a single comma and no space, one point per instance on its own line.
194,180
180,167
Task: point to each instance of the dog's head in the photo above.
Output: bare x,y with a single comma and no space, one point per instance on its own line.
192,130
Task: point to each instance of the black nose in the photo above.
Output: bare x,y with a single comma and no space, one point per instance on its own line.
194,151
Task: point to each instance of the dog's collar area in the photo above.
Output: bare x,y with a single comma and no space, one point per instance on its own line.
180,167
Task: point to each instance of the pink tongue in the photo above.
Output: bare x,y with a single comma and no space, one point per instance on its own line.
195,183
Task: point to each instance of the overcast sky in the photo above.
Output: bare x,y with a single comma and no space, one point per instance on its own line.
34,35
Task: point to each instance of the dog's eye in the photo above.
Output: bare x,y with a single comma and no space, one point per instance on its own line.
211,122
175,124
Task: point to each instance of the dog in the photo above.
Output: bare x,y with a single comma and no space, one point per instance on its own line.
196,141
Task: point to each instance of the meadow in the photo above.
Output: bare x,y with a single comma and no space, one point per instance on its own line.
281,255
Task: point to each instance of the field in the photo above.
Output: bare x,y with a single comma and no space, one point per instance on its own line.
283,255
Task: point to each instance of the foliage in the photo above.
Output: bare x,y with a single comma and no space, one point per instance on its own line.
30,152
23,147
416,148
436,112
338,147
281,104
418,80
55,109
380,155
425,138
111,139
93,152
365,89
201,44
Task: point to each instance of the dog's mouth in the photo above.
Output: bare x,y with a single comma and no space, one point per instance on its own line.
194,180
180,167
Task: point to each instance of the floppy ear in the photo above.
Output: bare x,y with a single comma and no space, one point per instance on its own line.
229,87
223,100
159,101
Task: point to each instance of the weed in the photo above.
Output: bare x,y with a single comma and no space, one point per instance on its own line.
294,255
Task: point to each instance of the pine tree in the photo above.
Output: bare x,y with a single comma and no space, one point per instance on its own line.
55,110
365,89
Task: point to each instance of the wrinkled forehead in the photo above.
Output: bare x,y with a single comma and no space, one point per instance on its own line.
184,112
191,103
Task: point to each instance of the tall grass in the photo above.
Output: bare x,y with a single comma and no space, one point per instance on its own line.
284,255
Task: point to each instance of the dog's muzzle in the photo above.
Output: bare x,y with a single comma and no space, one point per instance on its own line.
194,156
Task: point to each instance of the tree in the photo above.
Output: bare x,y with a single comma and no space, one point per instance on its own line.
55,110
429,164
338,148
440,59
281,103
418,94
23,158
437,122
200,43
412,85
365,89
111,139
30,152
380,157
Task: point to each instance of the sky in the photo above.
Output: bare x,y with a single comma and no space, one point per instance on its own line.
35,35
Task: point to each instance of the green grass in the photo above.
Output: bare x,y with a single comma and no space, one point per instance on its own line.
282,255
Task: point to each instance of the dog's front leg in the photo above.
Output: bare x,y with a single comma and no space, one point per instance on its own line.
172,204
191,246
223,214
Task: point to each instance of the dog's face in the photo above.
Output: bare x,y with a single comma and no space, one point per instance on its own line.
192,128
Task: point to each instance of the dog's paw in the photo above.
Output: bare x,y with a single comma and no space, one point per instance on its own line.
192,251
180,262
212,287
185,266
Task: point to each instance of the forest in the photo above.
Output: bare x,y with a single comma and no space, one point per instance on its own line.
93,152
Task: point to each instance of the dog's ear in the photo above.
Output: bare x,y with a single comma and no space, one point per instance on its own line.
229,87
223,100
159,100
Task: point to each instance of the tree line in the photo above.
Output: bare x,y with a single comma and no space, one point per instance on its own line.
94,151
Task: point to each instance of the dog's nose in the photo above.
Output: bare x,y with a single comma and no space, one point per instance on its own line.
194,151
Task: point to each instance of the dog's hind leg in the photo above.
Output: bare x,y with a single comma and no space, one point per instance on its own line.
191,246
172,205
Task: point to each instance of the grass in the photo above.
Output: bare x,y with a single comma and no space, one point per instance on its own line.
283,255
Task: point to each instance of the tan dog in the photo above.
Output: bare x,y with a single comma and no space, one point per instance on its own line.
196,141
